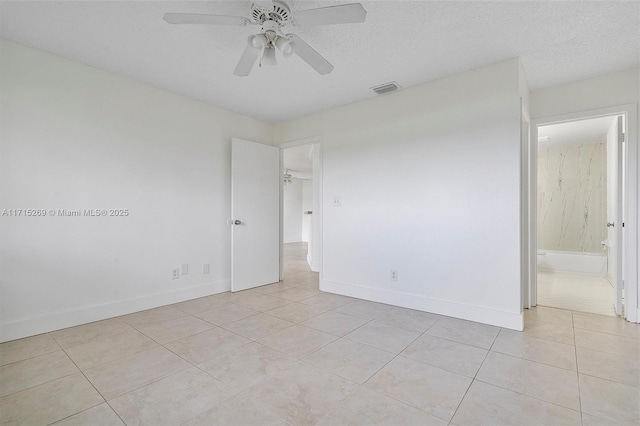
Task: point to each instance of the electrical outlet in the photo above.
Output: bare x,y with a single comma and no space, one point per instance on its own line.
185,269
205,268
337,202
394,275
175,273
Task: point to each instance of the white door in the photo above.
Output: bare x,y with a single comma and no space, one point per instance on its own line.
614,209
255,214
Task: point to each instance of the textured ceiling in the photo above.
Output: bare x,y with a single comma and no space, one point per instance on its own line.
591,130
410,42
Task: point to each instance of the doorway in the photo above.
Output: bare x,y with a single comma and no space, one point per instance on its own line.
262,252
579,189
300,217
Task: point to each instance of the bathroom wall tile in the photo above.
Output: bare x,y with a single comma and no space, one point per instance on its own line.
571,198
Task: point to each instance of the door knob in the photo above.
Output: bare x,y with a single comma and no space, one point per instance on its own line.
237,222
609,225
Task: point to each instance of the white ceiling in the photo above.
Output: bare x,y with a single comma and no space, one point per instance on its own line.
410,42
591,130
298,159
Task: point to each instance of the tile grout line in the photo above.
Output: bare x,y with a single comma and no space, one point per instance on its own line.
92,385
391,360
47,333
476,375
520,393
158,345
192,365
87,409
575,348
261,337
528,396
38,356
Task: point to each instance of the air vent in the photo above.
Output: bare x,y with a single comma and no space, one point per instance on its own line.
386,88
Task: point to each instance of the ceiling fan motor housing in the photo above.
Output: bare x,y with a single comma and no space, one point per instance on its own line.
278,12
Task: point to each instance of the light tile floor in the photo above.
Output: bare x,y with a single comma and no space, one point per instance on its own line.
289,354
576,292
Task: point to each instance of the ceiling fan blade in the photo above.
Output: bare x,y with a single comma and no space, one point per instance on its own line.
342,14
196,18
310,56
247,60
266,4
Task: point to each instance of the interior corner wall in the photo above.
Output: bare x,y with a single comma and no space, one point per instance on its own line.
610,90
526,259
75,138
429,181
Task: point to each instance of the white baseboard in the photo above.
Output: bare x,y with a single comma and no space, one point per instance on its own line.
59,320
314,266
511,320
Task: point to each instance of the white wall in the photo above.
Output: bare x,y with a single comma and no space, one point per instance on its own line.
611,90
307,206
429,180
292,215
75,137
608,90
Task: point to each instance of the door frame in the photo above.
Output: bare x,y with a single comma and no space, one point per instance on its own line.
317,141
630,209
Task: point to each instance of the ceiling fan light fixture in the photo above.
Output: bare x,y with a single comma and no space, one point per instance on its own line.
269,57
258,41
285,46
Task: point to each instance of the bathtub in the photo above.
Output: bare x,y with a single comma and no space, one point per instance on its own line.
594,264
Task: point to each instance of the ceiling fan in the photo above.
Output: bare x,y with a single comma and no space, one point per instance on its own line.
272,17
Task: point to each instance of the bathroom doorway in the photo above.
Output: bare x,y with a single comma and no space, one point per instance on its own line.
579,192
